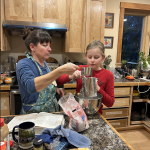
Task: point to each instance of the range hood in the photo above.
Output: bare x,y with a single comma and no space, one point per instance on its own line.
16,27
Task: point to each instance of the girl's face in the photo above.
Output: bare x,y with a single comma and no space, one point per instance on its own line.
94,58
42,51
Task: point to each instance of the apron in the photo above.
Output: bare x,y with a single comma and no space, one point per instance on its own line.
46,101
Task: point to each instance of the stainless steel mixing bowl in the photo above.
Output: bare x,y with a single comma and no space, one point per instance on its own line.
90,104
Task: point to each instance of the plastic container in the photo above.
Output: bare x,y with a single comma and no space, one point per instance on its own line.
4,132
38,144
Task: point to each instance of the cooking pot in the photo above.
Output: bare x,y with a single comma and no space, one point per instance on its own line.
91,104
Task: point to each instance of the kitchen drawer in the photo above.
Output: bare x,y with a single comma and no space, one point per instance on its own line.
119,123
120,102
114,113
122,91
73,91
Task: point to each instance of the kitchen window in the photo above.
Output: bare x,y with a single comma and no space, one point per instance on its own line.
132,35
138,16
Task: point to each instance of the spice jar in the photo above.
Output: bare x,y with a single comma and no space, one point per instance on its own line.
38,144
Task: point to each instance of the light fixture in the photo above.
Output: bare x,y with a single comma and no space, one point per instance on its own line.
125,20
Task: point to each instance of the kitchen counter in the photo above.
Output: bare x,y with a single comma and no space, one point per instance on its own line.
117,82
102,135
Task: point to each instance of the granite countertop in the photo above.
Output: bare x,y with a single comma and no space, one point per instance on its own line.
102,136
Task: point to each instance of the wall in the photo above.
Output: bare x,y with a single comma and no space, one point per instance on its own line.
113,6
19,48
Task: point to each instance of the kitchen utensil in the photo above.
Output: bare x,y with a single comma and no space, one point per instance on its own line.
91,104
86,71
89,87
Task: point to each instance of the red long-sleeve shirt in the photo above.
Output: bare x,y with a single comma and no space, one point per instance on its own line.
106,83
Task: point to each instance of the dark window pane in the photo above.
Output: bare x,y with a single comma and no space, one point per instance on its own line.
132,32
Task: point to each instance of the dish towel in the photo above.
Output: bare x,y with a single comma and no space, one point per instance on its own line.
72,137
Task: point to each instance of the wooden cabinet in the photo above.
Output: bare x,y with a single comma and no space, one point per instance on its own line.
119,114
4,103
51,11
20,10
75,36
5,41
85,22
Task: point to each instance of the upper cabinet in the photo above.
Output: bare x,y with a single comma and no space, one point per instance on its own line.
5,41
95,23
75,36
51,11
85,22
20,10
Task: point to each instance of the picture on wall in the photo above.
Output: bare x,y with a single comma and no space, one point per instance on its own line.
108,42
109,20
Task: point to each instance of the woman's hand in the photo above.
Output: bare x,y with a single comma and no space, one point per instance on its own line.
75,75
60,91
69,68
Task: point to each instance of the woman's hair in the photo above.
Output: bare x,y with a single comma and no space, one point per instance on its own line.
35,36
97,44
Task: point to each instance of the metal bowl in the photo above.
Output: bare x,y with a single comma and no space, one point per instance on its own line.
90,104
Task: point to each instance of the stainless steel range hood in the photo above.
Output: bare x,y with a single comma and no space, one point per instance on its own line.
16,27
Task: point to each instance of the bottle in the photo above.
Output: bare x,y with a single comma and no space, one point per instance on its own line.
4,132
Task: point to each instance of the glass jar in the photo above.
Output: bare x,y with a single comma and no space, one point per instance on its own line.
38,144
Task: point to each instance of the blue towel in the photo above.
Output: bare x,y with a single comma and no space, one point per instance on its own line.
72,137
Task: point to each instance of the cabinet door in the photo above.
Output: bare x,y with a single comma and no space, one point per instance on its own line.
20,10
95,23
75,36
5,40
51,11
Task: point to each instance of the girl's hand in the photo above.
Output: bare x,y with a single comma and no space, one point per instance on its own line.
75,75
60,91
97,86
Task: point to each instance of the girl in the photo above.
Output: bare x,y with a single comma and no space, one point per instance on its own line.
105,85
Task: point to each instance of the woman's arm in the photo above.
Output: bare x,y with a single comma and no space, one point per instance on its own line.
45,80
34,84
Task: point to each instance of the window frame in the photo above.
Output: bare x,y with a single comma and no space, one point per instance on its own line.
132,9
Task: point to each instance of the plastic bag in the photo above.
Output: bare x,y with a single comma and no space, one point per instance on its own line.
78,119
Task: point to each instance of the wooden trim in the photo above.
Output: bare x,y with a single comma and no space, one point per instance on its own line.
103,20
141,100
130,105
131,127
135,6
71,85
117,133
120,34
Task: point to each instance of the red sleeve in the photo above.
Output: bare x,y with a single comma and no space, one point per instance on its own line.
108,95
62,79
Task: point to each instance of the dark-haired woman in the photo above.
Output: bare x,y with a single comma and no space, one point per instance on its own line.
37,83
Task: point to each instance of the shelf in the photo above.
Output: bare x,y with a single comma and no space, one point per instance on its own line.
141,100
137,122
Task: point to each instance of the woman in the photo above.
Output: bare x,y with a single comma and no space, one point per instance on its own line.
37,84
105,85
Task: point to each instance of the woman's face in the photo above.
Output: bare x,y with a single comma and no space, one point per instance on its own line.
42,51
94,58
